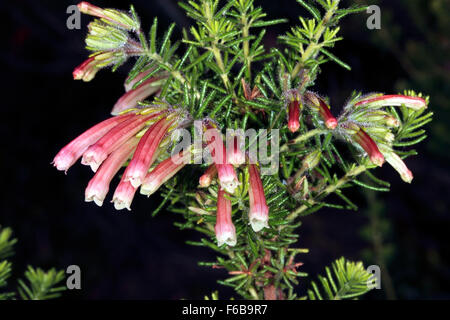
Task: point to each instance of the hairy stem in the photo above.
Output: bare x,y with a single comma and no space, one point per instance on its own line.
330,189
302,137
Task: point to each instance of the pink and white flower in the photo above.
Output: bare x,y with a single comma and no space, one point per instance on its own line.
145,153
131,98
98,186
227,175
259,211
68,155
97,153
395,100
235,155
397,163
123,196
162,173
224,228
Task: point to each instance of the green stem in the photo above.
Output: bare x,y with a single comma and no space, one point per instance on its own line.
246,45
216,52
313,47
330,189
302,138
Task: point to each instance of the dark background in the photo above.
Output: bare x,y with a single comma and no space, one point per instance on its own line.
129,255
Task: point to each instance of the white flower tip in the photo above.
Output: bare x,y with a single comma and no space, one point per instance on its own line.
407,176
119,204
204,181
62,163
90,161
97,200
228,238
135,181
258,223
230,186
148,189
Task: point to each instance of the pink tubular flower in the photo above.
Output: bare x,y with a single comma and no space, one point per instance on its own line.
146,151
235,156
294,115
99,185
86,71
366,142
324,110
397,163
225,230
131,98
259,211
73,151
162,173
415,103
206,179
90,9
114,16
97,153
128,85
123,196
227,175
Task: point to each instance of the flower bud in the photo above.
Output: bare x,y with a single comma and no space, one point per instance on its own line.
86,71
130,82
312,159
319,104
115,17
206,179
366,142
131,98
392,121
294,107
105,37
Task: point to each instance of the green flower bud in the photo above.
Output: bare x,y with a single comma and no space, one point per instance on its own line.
312,159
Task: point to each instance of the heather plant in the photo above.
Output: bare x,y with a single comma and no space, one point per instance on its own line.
236,140
38,283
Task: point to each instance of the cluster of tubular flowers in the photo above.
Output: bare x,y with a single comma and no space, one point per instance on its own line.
108,38
225,161
295,102
365,123
110,41
136,135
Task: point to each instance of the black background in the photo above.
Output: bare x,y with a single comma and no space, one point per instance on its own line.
129,255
